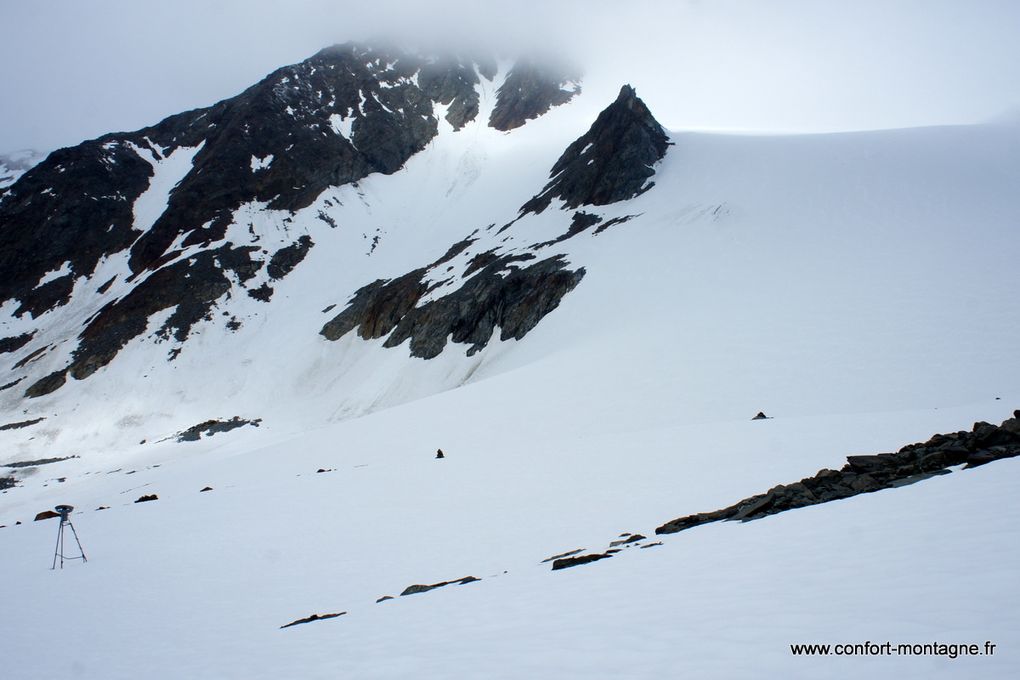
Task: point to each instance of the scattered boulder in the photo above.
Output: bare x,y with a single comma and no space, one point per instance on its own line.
208,488
146,499
46,514
102,507
384,598
313,617
439,454
761,416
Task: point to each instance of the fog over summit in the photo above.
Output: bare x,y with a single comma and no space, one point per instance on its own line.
84,69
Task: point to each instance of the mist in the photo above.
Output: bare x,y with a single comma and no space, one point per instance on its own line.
74,70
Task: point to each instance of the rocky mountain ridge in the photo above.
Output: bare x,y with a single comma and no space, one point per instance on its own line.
170,202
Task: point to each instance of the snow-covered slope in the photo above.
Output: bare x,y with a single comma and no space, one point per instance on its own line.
857,287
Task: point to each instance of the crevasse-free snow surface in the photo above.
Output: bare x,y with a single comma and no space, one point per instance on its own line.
588,371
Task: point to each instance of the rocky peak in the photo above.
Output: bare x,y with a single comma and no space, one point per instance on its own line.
611,162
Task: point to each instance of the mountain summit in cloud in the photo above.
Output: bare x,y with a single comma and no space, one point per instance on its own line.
166,196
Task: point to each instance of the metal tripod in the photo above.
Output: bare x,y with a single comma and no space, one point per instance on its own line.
59,551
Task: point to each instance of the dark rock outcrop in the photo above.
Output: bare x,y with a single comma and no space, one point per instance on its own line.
191,286
611,162
75,207
863,474
412,590
567,562
562,555
31,356
45,297
14,343
147,498
285,259
377,308
580,222
34,463
613,222
45,514
313,617
452,82
8,483
626,540
11,384
47,384
21,424
531,89
502,294
210,427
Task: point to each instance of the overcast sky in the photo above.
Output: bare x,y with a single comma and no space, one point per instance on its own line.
75,69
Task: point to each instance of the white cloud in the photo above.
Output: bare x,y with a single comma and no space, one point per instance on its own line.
74,70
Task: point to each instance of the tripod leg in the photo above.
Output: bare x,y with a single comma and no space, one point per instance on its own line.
80,549
56,550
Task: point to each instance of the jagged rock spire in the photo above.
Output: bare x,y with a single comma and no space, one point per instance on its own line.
609,163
